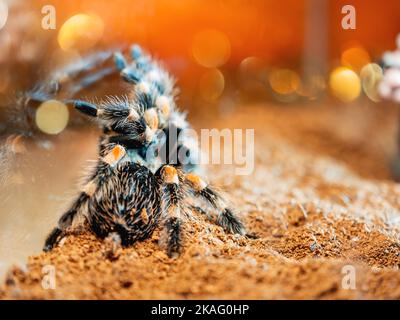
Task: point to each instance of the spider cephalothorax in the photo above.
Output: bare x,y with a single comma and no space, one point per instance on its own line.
134,188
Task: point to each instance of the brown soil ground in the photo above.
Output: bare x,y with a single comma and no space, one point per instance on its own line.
320,201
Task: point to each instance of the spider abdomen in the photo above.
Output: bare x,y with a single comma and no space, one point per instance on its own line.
126,203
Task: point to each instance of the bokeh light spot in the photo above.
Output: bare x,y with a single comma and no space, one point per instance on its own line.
355,58
284,81
312,87
371,76
211,48
80,32
52,117
3,13
253,69
345,84
211,85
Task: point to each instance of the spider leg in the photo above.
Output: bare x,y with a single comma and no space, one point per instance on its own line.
171,197
143,71
90,80
101,173
66,75
134,71
65,222
88,64
91,63
225,218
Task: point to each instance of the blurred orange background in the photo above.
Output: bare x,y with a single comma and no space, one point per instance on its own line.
193,37
273,30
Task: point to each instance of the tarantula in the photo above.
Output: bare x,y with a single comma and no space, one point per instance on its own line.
135,187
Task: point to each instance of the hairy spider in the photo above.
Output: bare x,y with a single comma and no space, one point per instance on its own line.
134,188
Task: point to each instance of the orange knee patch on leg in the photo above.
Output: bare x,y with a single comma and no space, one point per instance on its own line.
116,154
196,182
170,175
151,118
163,105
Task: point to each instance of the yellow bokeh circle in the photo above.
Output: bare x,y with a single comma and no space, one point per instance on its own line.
345,84
52,117
211,85
80,32
355,58
371,76
284,81
211,48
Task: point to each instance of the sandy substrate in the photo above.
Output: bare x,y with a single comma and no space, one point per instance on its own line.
320,201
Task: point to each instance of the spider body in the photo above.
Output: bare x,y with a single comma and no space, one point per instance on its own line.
139,182
127,202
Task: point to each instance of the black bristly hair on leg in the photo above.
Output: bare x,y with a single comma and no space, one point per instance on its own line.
225,217
65,222
227,220
53,239
171,206
173,229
